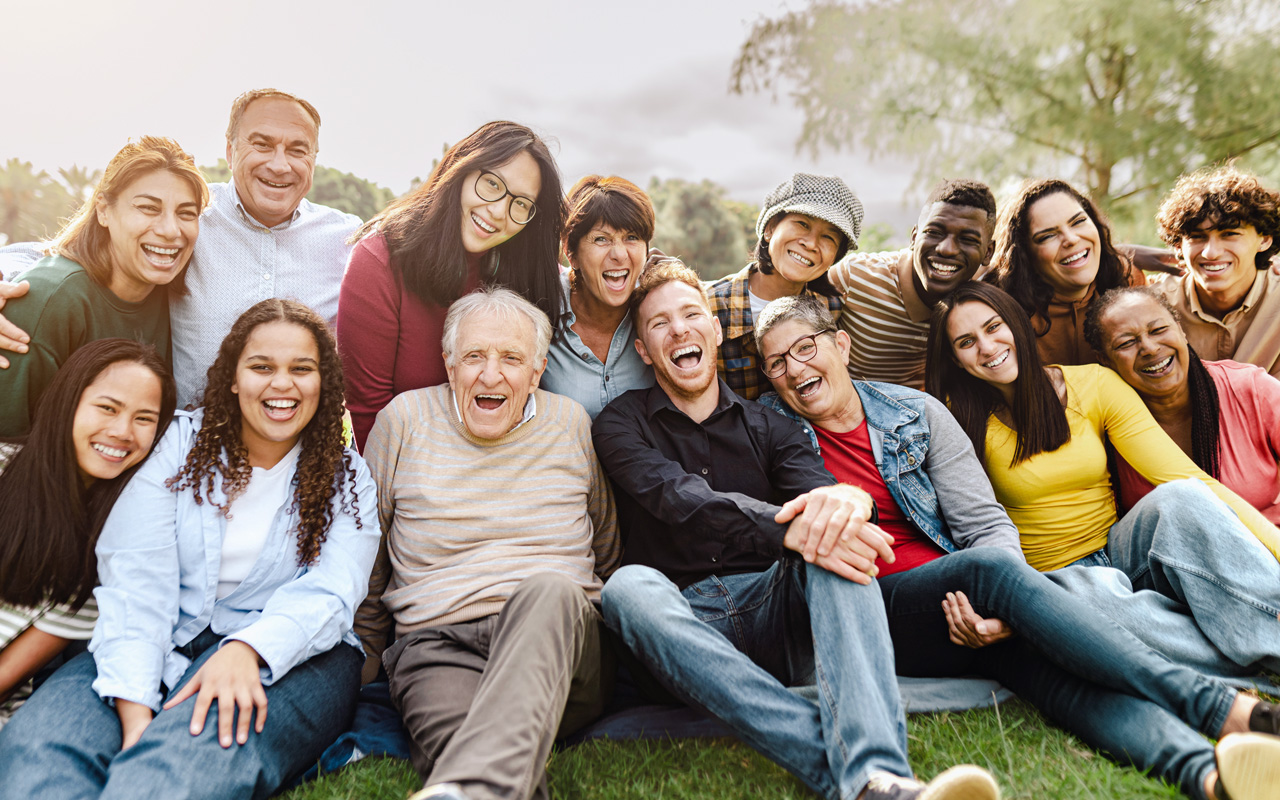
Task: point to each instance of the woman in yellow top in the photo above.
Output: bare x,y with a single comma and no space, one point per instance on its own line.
1040,431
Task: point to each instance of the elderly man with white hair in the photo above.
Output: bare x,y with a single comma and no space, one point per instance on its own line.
498,531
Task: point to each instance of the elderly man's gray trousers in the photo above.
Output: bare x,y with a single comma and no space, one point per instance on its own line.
484,700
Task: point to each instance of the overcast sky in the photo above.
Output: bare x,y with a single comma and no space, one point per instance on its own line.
635,89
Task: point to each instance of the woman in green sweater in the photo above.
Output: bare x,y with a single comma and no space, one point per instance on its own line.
100,277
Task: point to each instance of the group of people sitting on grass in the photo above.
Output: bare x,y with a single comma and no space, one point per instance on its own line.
1004,451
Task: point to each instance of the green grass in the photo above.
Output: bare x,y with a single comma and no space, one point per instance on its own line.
1030,759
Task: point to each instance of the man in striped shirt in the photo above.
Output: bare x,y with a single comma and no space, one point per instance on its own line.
498,532
889,296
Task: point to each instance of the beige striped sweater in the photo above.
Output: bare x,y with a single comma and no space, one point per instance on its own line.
464,520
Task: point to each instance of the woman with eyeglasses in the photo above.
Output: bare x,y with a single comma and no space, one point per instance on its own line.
490,213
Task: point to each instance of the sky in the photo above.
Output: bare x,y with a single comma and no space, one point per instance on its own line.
636,89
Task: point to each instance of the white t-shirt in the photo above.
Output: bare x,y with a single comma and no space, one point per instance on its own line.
250,520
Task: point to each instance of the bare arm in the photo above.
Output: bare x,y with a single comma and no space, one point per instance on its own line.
25,655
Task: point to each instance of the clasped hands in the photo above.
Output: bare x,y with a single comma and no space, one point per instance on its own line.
831,528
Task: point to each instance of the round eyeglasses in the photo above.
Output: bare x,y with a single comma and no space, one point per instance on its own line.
490,188
802,350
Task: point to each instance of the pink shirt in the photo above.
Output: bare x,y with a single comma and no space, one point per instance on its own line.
1248,438
389,339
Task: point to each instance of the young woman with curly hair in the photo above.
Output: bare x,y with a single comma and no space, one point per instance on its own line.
490,213
1054,254
230,572
1041,431
97,421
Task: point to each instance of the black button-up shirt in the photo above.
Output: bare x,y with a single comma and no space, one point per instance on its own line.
698,499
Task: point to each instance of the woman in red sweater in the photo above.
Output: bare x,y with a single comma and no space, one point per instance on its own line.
490,213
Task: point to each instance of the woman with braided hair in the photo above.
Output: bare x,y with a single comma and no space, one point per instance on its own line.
1223,414
230,571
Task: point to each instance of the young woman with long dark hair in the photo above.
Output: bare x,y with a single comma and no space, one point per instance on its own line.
1054,254
230,571
490,213
1041,433
98,419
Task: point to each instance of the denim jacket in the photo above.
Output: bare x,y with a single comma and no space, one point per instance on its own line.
158,561
928,466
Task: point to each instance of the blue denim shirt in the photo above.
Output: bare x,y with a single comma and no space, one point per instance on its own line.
928,466
158,561
575,372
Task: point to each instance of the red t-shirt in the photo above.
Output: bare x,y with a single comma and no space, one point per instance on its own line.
849,458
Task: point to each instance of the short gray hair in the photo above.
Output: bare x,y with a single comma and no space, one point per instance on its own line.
800,307
505,303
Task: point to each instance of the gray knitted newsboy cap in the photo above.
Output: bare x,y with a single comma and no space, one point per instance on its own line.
827,198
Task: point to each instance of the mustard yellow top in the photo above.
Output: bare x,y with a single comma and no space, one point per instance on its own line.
1062,502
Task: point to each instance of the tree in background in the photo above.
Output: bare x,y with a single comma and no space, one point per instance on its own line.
1119,95
699,224
33,206
331,187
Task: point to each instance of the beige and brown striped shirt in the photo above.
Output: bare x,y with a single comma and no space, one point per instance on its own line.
464,520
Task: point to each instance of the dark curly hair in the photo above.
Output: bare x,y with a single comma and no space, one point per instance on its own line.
1013,266
324,462
1225,198
1205,410
964,192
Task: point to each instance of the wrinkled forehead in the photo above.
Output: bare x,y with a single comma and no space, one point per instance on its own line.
492,329
670,298
278,118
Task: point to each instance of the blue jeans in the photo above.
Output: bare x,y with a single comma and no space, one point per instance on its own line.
1084,673
731,646
1214,590
65,742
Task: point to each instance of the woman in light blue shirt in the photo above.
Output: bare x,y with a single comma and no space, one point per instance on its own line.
230,571
593,357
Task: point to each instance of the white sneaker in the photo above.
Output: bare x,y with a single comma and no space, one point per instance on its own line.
1249,766
961,782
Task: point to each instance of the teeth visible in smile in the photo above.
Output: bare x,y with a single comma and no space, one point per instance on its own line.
1071,261
944,269
113,452
1214,266
800,258
997,361
160,251
483,226
684,351
811,384
491,396
274,185
1154,368
615,274
281,403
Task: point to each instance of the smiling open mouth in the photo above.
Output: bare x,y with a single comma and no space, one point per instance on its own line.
807,388
944,270
114,453
799,259
687,357
280,409
482,225
1075,260
161,256
1159,367
997,361
490,402
274,185
616,278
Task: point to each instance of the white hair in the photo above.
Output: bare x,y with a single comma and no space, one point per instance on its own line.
503,302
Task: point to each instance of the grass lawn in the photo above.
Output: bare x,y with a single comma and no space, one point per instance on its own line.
1031,760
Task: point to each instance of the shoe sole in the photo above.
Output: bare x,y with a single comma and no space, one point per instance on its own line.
963,782
1249,766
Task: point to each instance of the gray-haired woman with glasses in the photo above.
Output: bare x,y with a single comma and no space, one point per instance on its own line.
491,212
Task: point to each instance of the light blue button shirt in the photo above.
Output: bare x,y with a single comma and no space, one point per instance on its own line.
575,372
238,262
158,562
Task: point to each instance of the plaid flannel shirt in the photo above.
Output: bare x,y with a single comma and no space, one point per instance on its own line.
739,360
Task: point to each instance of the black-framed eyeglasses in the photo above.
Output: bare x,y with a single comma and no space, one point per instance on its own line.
490,188
802,350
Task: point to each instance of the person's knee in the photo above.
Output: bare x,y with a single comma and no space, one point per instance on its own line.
631,588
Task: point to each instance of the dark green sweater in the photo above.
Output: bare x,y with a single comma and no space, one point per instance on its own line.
63,310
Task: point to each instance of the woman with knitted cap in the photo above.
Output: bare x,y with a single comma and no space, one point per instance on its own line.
807,224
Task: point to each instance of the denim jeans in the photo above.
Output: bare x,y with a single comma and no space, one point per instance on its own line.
1084,673
732,645
65,742
1206,592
